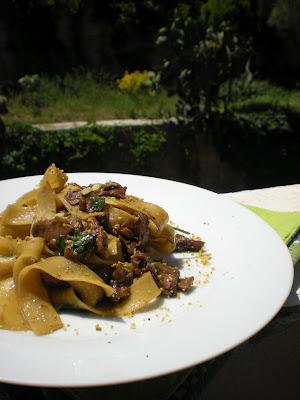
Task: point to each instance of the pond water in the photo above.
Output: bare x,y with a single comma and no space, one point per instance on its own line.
224,163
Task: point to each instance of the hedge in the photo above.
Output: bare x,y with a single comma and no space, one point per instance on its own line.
28,151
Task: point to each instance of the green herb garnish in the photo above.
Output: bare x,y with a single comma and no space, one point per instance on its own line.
96,203
60,242
181,230
156,269
83,241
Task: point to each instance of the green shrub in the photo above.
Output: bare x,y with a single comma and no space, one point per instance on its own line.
145,142
264,107
30,83
264,119
28,151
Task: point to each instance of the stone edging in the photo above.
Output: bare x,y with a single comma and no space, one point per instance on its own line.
108,123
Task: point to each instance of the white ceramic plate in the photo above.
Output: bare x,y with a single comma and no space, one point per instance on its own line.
238,292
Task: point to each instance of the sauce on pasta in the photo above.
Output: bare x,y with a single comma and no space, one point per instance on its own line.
93,248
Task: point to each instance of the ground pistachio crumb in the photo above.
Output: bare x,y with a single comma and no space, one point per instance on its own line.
205,257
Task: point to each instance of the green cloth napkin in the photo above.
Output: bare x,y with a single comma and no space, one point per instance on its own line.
286,224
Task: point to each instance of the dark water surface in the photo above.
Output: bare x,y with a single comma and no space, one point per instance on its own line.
224,163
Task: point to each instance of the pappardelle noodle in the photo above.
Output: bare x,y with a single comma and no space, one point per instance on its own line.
92,248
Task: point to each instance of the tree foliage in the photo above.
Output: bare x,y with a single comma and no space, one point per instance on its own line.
285,17
237,12
198,60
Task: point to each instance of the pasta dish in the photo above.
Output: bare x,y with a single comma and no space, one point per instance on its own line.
93,248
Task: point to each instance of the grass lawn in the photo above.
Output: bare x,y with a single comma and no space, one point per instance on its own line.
76,98
84,98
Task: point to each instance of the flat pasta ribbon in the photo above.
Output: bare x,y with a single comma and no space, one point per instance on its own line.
133,204
33,296
11,316
143,290
104,232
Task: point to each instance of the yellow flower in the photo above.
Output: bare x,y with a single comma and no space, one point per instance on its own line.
135,81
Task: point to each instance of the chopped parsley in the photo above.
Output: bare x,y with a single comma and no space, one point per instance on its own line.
96,203
83,241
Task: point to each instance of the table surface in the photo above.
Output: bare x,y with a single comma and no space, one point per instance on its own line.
279,198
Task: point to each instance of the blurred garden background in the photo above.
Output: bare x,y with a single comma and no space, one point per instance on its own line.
221,76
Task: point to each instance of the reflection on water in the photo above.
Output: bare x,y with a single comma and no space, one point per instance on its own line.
225,161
